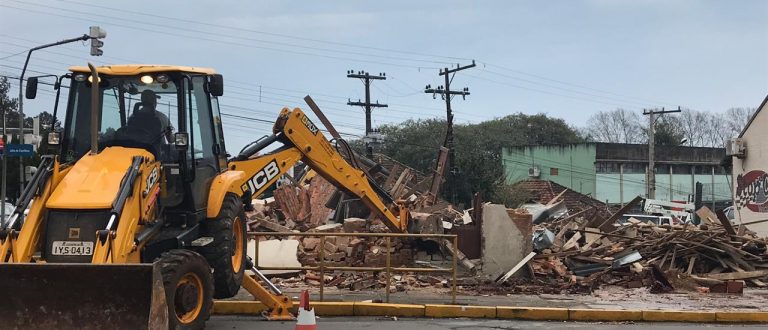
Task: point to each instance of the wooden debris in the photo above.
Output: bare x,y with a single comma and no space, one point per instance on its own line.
710,253
517,267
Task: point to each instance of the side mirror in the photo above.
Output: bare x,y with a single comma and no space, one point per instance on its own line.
216,84
181,140
31,88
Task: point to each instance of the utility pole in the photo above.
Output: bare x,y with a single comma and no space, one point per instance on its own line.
446,93
651,113
366,78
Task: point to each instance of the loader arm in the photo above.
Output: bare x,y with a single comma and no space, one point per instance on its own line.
302,140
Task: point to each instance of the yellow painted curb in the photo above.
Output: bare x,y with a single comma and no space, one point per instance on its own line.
377,309
742,316
238,307
488,312
232,307
330,308
532,313
679,316
604,315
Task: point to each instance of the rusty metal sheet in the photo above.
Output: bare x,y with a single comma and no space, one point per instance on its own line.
82,296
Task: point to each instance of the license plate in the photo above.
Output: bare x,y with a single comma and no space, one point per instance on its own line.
72,248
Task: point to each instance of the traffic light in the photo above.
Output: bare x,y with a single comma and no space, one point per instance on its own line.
97,33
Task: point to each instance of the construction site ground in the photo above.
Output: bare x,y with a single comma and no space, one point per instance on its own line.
608,298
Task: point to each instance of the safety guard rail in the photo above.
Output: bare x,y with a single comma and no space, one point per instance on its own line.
388,269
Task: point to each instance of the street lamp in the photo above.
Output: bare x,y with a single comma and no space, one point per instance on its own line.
95,33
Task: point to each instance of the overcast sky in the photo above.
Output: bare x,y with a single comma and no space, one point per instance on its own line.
567,59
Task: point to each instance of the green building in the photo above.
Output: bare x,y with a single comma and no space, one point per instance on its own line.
615,172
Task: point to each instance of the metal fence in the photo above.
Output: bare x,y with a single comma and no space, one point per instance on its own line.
388,269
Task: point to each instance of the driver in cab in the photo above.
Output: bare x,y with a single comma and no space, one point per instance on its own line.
147,125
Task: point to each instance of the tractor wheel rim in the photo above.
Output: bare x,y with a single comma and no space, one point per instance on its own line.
237,245
189,284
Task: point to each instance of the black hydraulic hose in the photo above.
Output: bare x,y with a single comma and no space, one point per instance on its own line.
257,146
125,191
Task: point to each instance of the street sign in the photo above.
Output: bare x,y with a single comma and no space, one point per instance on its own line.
19,150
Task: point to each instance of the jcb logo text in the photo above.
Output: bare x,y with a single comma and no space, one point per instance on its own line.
262,177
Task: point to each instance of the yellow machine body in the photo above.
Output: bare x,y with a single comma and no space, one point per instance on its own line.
128,191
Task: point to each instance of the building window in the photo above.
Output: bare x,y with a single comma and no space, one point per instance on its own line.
681,169
553,171
634,168
720,170
703,169
605,167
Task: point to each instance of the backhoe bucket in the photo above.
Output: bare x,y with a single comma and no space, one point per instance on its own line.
82,296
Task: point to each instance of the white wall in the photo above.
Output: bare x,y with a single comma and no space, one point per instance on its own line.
752,191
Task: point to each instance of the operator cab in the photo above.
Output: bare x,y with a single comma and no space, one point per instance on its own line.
170,111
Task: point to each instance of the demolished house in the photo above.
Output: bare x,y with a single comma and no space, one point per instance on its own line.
560,241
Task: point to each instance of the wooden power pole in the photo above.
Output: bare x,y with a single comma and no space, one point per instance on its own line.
446,93
367,105
651,182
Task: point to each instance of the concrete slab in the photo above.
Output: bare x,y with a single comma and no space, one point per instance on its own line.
505,242
276,253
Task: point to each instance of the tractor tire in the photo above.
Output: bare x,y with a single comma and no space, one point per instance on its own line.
188,288
227,252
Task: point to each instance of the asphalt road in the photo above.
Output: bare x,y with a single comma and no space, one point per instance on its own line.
386,323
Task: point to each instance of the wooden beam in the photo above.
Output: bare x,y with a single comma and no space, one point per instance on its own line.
738,275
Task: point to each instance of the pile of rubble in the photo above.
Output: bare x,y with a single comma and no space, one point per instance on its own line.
365,281
353,251
316,205
561,241
574,254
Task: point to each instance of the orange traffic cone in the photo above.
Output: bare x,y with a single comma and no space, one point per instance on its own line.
306,318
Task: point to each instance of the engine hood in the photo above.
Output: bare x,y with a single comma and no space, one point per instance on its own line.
94,180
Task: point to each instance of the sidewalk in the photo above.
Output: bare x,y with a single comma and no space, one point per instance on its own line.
613,298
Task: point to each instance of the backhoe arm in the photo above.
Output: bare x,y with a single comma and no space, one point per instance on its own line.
303,141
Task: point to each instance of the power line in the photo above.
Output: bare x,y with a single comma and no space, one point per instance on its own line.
12,55
240,29
543,91
314,48
572,84
571,90
198,37
235,83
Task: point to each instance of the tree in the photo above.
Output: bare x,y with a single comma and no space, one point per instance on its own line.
700,128
668,131
736,119
617,126
695,126
7,103
718,133
477,148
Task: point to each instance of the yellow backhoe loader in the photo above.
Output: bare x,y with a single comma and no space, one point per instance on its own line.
137,219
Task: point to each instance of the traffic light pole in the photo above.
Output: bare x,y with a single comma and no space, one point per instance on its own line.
5,166
84,37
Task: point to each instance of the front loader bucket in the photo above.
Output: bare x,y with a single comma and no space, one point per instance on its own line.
82,296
